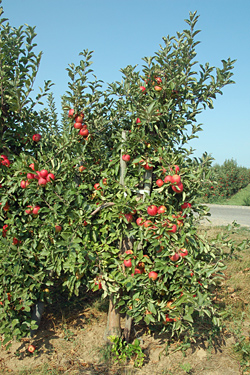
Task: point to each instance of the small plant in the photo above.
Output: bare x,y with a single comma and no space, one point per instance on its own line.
186,367
124,352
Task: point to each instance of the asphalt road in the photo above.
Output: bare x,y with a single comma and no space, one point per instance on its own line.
224,215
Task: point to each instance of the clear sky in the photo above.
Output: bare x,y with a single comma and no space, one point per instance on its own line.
121,32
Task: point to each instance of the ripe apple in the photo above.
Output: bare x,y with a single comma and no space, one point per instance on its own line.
186,205
137,271
147,223
183,252
29,210
153,275
104,181
129,217
84,132
36,137
167,179
158,80
161,210
82,168
126,157
178,189
127,263
43,173
30,176
142,88
158,88
169,319
50,176
35,210
138,121
15,241
24,184
147,167
152,210
58,228
139,221
173,228
32,166
159,182
71,112
174,257
79,119
42,181
97,186
31,348
5,162
176,179
78,125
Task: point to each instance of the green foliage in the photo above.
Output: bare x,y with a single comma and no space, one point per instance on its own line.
89,249
226,180
124,352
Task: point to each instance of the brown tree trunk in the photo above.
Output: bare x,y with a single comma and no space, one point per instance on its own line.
114,321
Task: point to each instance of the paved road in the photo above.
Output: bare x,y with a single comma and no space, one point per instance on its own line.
224,215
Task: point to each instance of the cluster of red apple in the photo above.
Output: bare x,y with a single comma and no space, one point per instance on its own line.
155,82
78,118
42,176
143,163
5,161
174,180
32,210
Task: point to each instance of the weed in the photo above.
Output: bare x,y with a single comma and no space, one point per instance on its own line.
246,201
124,352
186,367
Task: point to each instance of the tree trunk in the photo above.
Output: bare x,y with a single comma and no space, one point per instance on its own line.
114,321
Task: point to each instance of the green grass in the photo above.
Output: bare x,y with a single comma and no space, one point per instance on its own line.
242,198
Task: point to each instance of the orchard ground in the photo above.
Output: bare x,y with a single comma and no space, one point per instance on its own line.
70,337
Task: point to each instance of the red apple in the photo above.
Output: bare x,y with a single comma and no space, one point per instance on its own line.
36,137
15,241
84,132
31,348
79,119
137,271
153,275
58,228
161,210
139,221
30,176
178,189
126,157
129,217
183,252
147,223
138,121
176,179
71,112
147,167
97,186
174,257
167,179
29,210
152,210
169,319
78,125
186,205
127,263
158,80
5,162
82,168
42,181
173,228
35,210
142,88
158,88
50,176
24,184
43,173
32,166
159,182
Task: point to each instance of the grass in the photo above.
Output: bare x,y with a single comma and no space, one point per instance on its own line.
242,198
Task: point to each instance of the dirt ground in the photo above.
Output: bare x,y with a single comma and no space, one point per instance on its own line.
70,341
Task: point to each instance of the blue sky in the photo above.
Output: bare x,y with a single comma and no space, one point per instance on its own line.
121,32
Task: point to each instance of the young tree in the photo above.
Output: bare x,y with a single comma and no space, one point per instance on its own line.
109,198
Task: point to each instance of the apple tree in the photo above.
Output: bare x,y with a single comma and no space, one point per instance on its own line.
107,198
